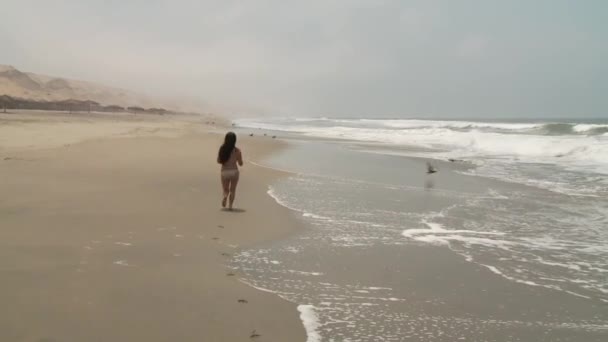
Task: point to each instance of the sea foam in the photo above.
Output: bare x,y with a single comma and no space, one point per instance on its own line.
576,145
310,320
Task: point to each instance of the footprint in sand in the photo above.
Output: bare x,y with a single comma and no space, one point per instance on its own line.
215,238
220,226
225,254
230,274
243,301
254,334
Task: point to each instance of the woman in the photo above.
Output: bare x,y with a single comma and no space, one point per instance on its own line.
229,156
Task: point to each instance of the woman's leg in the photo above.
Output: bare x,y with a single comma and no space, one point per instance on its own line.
226,190
234,181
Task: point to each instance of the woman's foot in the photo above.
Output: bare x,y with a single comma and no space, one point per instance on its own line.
224,202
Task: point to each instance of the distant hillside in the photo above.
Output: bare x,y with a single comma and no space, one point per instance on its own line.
40,88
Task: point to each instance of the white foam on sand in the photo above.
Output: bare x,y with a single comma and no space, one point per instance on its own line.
438,235
436,228
123,243
310,320
314,216
531,283
305,273
272,193
122,263
261,288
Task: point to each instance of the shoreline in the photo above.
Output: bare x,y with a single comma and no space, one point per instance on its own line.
419,284
121,238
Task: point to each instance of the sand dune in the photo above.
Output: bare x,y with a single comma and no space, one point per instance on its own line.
30,86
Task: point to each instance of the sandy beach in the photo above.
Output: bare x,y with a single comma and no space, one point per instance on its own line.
111,230
414,171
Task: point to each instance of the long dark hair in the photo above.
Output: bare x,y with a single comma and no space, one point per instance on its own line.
226,149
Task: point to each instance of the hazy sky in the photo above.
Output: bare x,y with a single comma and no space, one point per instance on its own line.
449,58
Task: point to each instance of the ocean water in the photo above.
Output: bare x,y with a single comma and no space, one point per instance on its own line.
519,207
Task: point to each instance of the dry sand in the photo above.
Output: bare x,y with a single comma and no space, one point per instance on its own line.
110,230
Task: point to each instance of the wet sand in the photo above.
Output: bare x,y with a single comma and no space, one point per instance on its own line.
111,230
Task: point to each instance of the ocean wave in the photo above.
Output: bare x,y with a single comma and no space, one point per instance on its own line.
578,146
534,128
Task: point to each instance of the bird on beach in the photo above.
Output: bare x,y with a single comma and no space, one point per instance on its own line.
430,169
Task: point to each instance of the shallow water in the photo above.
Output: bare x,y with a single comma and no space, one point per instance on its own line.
384,236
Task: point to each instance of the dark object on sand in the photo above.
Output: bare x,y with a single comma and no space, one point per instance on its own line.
251,134
430,169
254,335
452,160
243,301
264,134
274,137
230,274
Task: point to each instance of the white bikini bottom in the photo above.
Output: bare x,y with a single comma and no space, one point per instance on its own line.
230,173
